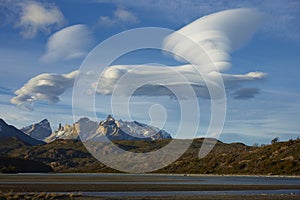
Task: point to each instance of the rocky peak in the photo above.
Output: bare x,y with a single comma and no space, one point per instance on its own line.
84,120
109,121
44,121
2,121
123,130
7,131
71,131
39,130
111,128
60,127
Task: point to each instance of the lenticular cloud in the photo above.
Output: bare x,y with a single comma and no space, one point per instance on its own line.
45,86
215,35
205,44
69,43
157,80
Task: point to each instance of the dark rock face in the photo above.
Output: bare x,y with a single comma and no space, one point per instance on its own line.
39,131
11,131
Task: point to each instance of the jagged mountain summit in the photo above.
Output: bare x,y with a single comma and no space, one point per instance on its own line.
39,131
71,132
124,130
7,131
111,128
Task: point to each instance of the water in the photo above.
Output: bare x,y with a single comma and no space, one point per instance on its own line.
190,193
167,179
154,179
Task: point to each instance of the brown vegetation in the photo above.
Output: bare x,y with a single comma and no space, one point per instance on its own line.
279,158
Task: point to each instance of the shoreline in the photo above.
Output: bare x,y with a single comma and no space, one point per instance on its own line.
156,174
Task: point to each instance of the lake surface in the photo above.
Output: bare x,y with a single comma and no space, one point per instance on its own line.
85,178
164,179
190,193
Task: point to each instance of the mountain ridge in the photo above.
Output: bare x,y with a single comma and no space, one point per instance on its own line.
110,128
11,131
39,131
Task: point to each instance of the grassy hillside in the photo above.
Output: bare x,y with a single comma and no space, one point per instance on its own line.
280,158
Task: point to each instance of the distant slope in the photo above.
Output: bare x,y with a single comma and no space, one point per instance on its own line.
11,131
282,158
39,131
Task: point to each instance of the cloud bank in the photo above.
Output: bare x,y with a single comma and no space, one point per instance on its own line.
69,43
46,87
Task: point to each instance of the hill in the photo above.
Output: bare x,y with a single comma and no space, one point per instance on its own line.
280,158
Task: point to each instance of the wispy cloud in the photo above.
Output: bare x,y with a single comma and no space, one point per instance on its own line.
121,16
4,90
32,17
245,93
69,43
45,87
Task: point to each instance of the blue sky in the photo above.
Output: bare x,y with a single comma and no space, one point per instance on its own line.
30,44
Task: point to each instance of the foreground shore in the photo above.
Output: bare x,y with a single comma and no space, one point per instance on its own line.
150,186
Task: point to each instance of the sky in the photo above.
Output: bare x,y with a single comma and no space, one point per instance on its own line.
44,43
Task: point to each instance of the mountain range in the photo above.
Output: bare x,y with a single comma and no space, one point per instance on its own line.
64,152
84,129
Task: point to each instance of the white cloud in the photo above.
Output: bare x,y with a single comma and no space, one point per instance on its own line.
37,17
207,42
69,43
120,17
157,79
46,87
125,16
221,33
